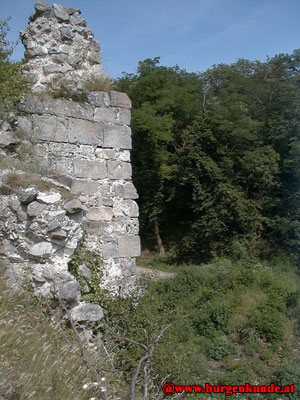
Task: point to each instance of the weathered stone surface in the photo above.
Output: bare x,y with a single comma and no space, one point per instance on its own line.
105,114
42,249
8,139
34,209
28,195
90,169
107,154
85,132
48,198
110,250
130,191
70,291
100,214
129,246
60,12
49,128
119,99
119,170
118,137
85,271
84,187
87,312
15,205
59,235
125,208
73,206
99,99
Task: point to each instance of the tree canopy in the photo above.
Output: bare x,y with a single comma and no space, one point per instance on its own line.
216,155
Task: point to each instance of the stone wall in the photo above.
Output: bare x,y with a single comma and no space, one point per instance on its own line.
87,148
84,150
59,50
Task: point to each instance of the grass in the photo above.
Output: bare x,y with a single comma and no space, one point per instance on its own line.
16,180
36,361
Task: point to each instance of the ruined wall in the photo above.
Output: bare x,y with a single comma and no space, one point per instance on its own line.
85,147
59,50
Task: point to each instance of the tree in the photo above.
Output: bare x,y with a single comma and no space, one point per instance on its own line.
11,80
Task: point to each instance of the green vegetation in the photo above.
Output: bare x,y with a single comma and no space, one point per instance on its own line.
231,322
216,156
36,361
11,81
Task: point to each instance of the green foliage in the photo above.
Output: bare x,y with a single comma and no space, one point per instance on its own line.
216,156
36,361
230,322
11,81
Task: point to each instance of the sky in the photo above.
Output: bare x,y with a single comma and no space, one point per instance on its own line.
193,34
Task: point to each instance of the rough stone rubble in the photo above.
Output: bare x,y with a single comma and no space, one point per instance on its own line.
86,149
60,50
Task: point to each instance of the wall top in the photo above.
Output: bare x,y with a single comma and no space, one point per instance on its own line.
60,52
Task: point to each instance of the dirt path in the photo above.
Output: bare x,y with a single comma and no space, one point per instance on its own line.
155,275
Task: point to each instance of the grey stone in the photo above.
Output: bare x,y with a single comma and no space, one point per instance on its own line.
119,99
110,250
90,169
100,214
48,198
87,312
85,271
130,191
59,235
42,249
66,180
129,246
119,170
66,34
99,99
105,114
117,137
94,57
28,195
75,19
54,225
123,116
73,206
60,12
52,68
35,51
35,209
41,7
94,227
5,126
15,205
70,291
127,208
107,154
85,187
49,128
85,132
8,139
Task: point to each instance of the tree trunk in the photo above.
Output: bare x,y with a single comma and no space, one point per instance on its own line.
161,248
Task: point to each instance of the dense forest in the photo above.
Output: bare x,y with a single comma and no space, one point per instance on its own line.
216,157
216,162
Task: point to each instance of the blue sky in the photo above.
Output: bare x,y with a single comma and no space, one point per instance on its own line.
194,34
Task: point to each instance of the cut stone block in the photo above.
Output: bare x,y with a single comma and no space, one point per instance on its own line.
129,246
85,132
119,99
84,187
110,250
130,191
90,169
119,170
118,137
100,214
49,128
99,99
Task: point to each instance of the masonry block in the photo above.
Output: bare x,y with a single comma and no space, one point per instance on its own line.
90,169
49,128
85,132
129,246
119,170
118,137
